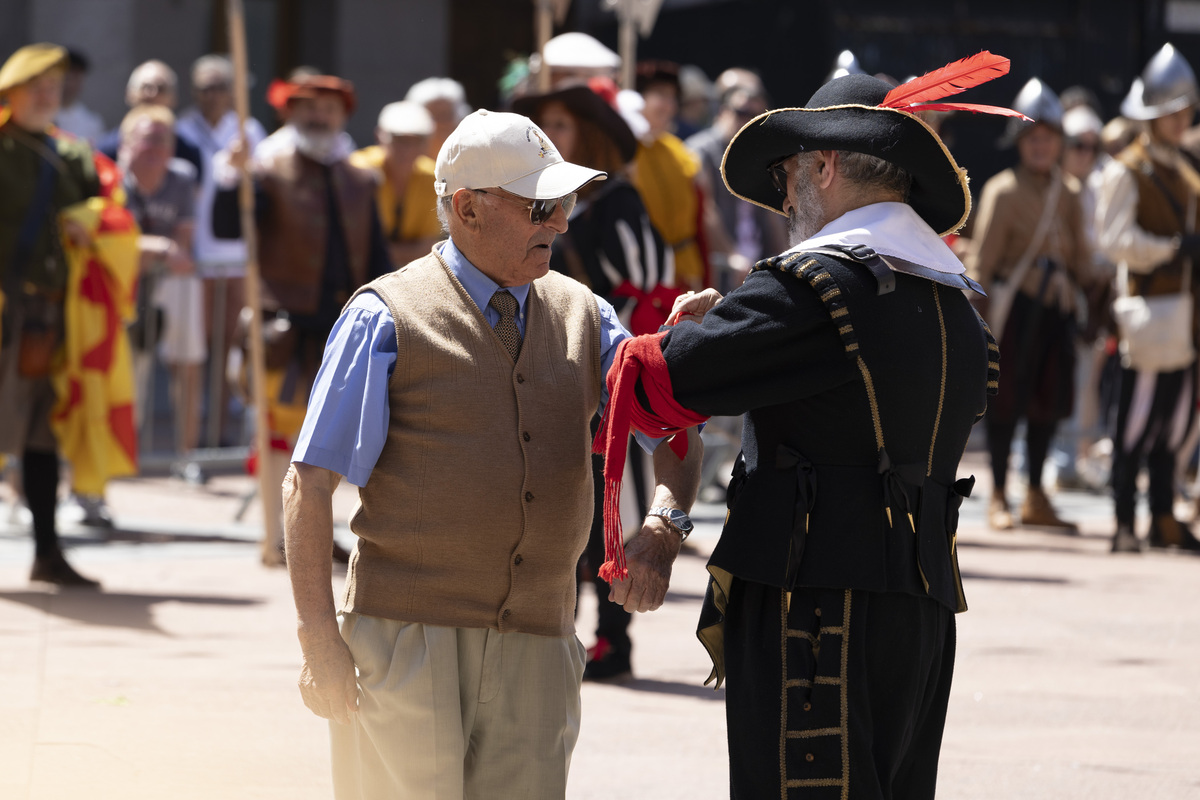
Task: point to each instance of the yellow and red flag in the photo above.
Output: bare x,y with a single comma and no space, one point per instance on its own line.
94,417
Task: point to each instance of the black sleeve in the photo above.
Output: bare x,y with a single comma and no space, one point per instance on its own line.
769,341
187,150
227,211
379,261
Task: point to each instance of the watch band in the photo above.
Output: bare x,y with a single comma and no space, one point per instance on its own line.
677,518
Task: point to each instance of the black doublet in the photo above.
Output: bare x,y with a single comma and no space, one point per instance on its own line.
858,404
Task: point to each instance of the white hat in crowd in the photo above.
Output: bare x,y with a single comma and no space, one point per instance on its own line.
497,148
579,51
1079,120
405,118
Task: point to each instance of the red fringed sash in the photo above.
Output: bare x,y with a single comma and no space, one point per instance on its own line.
639,357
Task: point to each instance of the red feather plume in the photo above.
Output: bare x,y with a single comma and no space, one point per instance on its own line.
974,108
948,80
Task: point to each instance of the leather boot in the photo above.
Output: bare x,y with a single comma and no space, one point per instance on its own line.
1125,540
1036,510
999,516
1166,531
55,569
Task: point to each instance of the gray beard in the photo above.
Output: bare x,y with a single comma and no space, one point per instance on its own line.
319,146
807,215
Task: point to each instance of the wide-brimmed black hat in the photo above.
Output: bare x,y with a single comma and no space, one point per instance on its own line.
845,114
582,101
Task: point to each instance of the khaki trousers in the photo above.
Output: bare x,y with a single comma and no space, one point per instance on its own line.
457,713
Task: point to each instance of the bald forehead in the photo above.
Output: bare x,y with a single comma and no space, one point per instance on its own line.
152,72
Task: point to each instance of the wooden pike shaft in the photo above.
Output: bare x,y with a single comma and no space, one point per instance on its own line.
272,534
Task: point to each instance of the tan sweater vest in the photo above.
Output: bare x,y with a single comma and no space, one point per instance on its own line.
480,504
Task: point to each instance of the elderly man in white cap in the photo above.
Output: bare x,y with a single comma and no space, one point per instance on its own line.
404,197
465,382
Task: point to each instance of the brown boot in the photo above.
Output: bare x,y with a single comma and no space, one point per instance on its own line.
1037,511
999,516
1166,531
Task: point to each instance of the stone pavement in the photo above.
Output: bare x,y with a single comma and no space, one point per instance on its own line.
1078,673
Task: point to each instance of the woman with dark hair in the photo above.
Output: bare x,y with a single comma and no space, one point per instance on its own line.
612,247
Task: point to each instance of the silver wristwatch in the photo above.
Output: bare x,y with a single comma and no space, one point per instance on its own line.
677,519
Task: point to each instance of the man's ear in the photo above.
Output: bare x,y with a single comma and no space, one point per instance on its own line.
825,167
464,207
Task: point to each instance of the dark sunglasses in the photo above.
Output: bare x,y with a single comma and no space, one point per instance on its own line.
539,210
1087,147
779,176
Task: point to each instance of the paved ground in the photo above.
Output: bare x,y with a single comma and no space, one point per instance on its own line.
1078,673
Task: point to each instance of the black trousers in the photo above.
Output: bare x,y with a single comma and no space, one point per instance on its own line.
841,696
1154,413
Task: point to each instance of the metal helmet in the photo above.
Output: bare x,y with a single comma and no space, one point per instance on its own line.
1037,101
846,64
1166,85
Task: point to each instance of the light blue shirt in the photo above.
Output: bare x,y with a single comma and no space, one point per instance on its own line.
347,420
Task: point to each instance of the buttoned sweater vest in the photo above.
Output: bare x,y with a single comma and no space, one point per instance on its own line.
481,501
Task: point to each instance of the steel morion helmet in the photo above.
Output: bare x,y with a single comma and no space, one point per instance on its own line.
1037,101
1166,85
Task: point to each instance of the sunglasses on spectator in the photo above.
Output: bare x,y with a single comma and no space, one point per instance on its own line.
213,87
539,210
1088,147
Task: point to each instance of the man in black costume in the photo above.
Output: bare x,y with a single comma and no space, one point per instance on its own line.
860,368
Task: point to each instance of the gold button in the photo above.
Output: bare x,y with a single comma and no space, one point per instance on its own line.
808,706
809,757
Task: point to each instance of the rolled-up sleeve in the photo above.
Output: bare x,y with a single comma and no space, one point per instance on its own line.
346,424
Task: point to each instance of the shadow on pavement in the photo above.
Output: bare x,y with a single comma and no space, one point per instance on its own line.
674,687
112,609
980,576
84,537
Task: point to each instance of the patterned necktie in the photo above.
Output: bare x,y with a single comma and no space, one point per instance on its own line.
506,306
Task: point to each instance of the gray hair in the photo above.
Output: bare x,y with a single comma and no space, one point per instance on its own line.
213,62
861,168
445,206
136,77
430,89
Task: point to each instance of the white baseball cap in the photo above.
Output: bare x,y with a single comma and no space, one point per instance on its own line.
405,118
497,148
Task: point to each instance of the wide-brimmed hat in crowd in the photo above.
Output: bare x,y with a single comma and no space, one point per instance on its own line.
864,114
29,62
586,102
281,93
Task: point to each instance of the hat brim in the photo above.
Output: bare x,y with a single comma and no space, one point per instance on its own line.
583,102
29,62
556,180
939,192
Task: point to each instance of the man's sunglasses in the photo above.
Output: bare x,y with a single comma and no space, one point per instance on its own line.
540,211
779,176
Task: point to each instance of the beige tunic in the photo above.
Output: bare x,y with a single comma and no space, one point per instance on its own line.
1006,220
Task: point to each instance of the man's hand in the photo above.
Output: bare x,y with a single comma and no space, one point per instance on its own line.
239,153
649,556
693,305
327,679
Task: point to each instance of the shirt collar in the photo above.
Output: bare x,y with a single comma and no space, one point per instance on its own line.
479,286
890,229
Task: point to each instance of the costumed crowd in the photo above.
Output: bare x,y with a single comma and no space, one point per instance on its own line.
468,318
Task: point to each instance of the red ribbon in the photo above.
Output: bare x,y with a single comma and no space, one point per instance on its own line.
650,309
638,358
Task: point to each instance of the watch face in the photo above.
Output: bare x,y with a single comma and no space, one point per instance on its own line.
681,520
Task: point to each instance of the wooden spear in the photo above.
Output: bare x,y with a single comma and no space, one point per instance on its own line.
272,535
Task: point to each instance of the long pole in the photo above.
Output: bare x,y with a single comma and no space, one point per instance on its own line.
544,27
258,367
